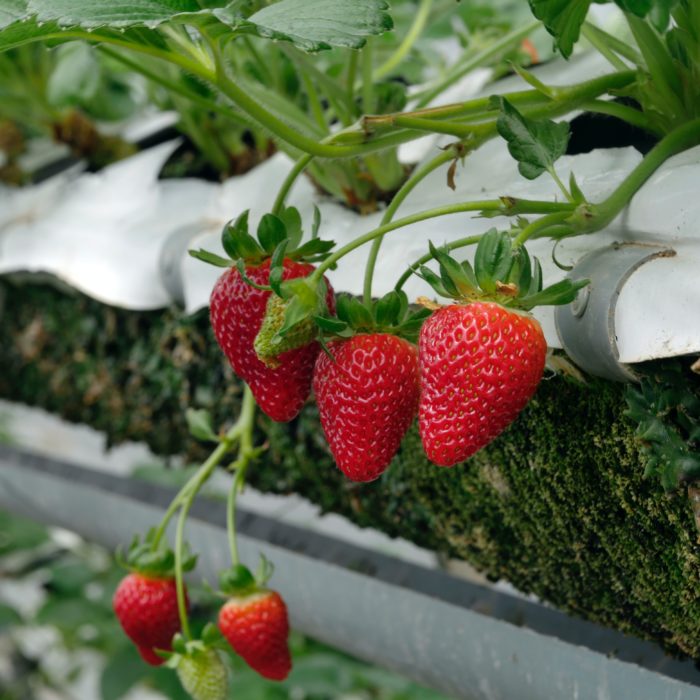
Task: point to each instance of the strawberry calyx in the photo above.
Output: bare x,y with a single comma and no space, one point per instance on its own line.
238,580
390,314
153,562
502,273
278,236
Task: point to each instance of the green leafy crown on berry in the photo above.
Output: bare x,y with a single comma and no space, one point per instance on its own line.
158,562
238,580
501,273
278,237
390,314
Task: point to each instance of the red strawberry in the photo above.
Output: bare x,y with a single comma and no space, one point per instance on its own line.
237,311
147,611
480,364
256,626
367,397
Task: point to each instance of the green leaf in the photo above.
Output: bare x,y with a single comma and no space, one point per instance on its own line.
563,20
238,243
536,145
200,425
271,232
353,312
91,14
332,326
316,223
576,193
315,26
25,32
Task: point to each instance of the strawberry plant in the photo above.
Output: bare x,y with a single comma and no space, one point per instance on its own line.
466,369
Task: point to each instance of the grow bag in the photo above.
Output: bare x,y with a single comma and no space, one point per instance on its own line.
557,505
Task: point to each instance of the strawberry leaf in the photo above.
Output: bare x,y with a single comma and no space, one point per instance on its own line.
314,26
536,145
107,13
563,20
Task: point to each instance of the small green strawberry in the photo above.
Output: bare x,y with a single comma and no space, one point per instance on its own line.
269,345
202,672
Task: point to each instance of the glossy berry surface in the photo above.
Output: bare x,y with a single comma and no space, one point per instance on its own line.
256,626
237,311
480,364
367,397
147,611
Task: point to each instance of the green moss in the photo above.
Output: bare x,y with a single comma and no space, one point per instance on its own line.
557,505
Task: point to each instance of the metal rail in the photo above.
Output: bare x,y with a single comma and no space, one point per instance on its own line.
466,640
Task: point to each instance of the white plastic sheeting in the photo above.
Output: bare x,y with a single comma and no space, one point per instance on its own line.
105,233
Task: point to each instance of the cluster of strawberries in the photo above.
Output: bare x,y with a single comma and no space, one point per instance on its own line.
253,622
474,368
465,369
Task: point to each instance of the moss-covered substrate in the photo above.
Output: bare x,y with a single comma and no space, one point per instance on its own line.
557,505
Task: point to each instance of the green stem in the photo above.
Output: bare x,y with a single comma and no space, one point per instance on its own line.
179,575
396,202
540,225
680,139
419,22
562,187
599,44
351,76
617,45
367,80
245,455
289,181
498,48
614,109
314,102
175,87
498,206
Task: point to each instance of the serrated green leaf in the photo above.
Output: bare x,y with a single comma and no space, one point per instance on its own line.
91,14
315,26
386,309
563,20
271,232
200,425
24,32
536,145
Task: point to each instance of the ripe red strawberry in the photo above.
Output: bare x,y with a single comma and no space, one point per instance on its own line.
147,611
237,311
256,626
480,364
367,397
